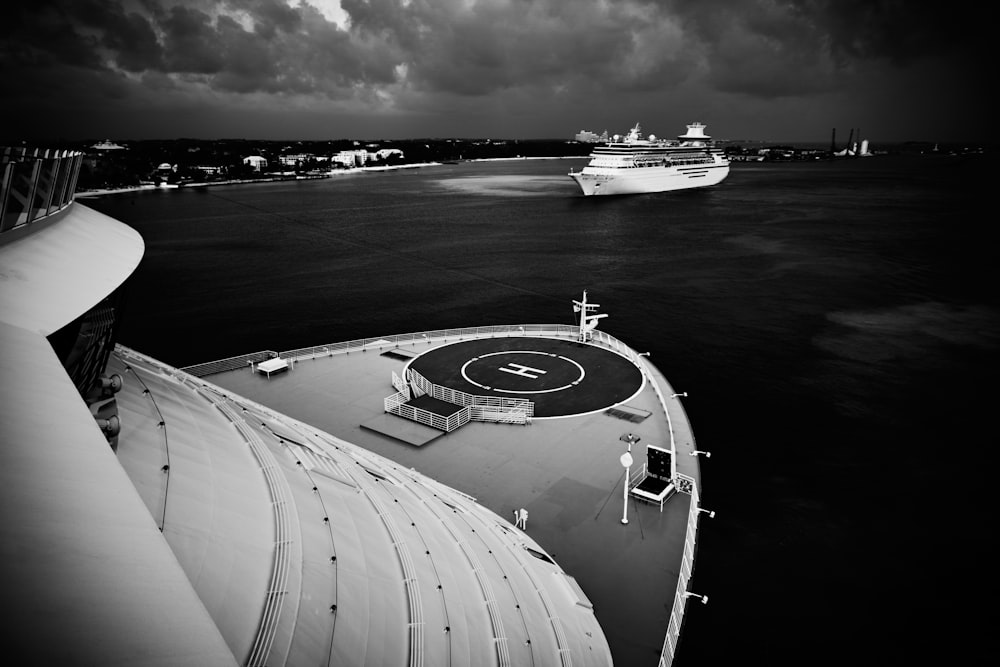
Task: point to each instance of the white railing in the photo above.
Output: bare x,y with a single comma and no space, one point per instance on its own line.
229,364
401,385
686,484
683,484
397,405
484,408
382,343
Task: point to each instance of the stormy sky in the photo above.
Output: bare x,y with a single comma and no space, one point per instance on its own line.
777,70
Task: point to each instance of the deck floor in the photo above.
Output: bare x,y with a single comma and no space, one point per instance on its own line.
564,471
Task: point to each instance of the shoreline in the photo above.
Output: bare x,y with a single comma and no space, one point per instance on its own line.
245,181
332,173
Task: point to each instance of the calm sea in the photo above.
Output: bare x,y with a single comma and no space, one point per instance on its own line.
834,323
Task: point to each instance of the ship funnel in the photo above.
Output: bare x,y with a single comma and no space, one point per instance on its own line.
696,132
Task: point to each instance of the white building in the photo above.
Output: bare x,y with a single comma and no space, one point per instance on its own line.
294,159
356,158
386,153
255,161
588,137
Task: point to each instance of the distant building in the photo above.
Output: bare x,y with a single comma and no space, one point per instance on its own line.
360,157
292,160
386,153
255,161
588,137
107,145
356,158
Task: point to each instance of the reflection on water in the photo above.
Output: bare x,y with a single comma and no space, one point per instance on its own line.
911,333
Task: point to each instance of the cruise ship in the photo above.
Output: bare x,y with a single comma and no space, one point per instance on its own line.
504,494
633,164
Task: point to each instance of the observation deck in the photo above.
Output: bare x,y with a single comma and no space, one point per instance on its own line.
562,467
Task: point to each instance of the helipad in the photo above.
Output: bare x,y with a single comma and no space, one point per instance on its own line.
560,377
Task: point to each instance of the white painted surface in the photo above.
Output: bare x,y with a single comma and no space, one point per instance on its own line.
56,273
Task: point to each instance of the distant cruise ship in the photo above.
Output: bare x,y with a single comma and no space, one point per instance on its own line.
633,164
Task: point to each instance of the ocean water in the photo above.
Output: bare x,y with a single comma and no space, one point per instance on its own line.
834,323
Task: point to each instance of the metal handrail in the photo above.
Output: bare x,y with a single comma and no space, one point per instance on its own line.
684,483
683,577
35,183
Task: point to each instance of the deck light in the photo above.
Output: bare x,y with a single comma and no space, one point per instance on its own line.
695,452
630,438
703,598
626,460
683,393
710,513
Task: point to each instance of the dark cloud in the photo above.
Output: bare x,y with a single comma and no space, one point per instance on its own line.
491,59
191,42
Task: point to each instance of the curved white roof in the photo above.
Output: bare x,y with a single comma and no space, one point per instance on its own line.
56,270
375,563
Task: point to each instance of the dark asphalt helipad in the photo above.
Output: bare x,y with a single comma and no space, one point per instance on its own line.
560,377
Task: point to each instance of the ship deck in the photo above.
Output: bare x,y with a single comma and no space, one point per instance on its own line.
563,467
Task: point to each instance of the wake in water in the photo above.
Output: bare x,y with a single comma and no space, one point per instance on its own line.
508,185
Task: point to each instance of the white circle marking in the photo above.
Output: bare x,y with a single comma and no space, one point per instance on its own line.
514,391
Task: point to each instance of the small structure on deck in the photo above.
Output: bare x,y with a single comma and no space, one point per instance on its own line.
275,365
655,479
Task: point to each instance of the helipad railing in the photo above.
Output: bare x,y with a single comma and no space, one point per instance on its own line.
684,483
484,408
397,405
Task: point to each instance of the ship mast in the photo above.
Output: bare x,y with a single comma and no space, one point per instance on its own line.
588,321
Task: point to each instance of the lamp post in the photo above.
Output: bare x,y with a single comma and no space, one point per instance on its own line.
626,460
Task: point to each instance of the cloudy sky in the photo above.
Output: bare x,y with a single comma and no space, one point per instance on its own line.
778,70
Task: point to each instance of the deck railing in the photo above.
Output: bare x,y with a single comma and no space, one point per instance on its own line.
228,364
397,405
484,408
684,483
34,183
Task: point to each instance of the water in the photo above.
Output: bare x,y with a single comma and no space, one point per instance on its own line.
835,324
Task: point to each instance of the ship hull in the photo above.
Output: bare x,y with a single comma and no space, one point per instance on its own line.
595,181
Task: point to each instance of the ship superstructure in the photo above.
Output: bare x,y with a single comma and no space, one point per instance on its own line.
230,513
634,164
